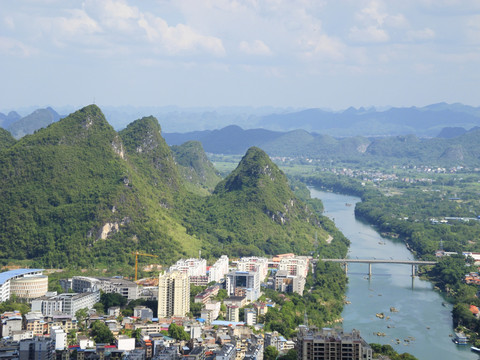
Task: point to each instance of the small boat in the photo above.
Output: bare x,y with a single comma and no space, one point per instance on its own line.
380,315
475,349
393,309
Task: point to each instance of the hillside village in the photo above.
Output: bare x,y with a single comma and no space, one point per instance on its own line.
223,321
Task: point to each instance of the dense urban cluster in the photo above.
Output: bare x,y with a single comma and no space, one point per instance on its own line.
201,312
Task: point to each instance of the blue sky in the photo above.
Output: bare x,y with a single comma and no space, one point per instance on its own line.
283,53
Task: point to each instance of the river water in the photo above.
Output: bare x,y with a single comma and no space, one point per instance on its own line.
423,323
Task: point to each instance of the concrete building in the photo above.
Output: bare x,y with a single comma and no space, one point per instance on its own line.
59,336
253,263
68,303
126,288
143,313
38,348
244,283
125,343
227,352
294,265
36,323
173,294
254,352
29,287
191,267
250,316
219,269
285,282
233,313
205,296
328,344
8,276
10,322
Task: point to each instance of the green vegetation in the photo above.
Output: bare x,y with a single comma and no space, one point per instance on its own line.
389,351
6,139
197,171
100,333
253,211
322,301
79,195
270,353
177,332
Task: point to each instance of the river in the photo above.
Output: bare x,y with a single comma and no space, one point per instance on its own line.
423,323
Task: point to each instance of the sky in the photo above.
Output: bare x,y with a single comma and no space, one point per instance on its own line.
211,53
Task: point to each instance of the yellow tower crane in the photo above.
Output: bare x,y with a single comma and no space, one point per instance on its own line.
136,253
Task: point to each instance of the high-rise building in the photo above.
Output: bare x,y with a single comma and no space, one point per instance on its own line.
173,294
254,263
219,269
328,344
244,283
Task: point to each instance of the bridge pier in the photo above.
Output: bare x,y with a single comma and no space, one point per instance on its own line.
369,269
345,266
414,268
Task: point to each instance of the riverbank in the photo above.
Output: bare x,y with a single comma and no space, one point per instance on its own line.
419,305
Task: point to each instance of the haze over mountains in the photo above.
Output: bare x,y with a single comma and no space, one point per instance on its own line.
425,121
440,134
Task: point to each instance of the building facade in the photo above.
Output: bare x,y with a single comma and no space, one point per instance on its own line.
173,294
244,283
8,276
328,344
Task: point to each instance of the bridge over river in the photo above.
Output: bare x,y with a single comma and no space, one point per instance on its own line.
414,263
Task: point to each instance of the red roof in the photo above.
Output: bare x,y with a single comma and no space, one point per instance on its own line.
474,309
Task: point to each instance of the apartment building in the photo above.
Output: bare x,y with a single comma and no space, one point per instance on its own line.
173,294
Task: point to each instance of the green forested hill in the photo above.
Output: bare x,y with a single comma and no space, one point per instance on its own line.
73,193
253,211
6,139
77,193
196,169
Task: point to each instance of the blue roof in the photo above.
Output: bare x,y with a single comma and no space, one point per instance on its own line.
7,275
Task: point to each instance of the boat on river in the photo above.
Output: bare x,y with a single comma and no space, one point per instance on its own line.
475,349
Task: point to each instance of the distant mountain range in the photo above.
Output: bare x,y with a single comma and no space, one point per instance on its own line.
425,121
454,146
438,134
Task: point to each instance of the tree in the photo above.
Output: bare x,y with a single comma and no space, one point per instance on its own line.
72,337
82,316
137,334
290,355
270,353
175,331
101,333
99,308
112,299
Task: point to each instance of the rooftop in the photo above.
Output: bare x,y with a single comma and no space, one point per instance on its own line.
7,275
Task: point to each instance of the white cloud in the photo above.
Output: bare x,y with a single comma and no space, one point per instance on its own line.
370,34
421,35
374,11
13,47
256,47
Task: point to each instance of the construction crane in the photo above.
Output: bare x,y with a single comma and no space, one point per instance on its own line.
136,253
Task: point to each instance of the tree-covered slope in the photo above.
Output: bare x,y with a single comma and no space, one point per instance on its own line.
196,169
6,139
77,193
74,194
254,211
